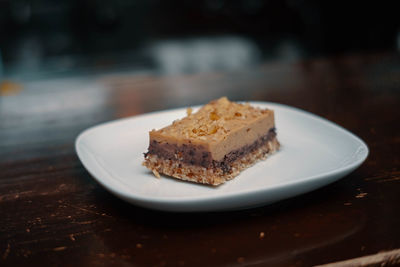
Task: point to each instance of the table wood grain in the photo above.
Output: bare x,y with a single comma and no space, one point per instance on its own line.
52,212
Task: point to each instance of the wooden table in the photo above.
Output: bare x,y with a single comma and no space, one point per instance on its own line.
52,212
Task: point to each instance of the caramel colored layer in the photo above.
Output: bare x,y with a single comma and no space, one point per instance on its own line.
219,127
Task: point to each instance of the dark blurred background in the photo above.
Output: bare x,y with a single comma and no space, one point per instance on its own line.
64,37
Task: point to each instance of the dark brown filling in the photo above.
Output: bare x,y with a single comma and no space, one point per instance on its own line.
198,155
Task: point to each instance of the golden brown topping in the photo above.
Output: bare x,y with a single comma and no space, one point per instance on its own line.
214,119
214,116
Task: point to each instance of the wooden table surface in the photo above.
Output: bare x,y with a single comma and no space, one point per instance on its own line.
52,212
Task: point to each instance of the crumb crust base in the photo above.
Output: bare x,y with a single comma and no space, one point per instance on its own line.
211,176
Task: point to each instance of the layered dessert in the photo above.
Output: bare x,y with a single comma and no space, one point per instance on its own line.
214,144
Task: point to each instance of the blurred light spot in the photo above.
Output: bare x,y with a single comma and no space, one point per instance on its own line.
52,97
205,54
9,88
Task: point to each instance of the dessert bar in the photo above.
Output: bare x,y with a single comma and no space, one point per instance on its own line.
214,144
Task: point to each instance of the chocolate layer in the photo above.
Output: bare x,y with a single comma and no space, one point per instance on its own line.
198,155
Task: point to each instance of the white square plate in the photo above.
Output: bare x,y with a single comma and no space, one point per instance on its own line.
314,152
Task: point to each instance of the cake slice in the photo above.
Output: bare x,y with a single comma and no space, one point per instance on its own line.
214,144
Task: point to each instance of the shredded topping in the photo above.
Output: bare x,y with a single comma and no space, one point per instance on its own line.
213,120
